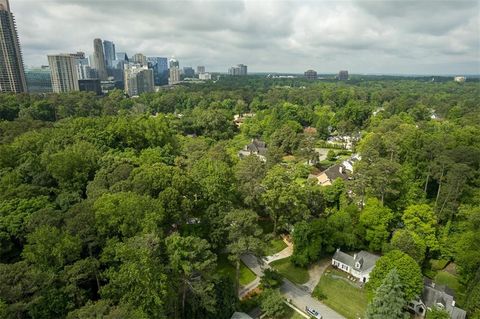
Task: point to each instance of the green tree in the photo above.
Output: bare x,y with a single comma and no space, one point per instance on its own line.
249,174
192,262
389,300
437,313
408,271
272,304
410,243
376,219
421,219
244,237
270,279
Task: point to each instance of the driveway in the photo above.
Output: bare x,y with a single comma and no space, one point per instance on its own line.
315,273
300,296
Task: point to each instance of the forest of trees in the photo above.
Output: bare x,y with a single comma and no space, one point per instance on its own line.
119,207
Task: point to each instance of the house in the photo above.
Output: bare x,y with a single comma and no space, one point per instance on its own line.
238,119
257,148
437,296
327,177
348,164
359,265
240,315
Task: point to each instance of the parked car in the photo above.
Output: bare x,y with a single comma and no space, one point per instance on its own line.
312,312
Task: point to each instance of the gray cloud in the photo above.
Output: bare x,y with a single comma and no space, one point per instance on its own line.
388,36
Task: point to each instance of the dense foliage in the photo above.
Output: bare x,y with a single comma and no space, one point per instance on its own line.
121,207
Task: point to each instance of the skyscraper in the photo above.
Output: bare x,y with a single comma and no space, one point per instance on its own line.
109,49
159,66
12,73
173,63
63,73
174,75
239,69
140,59
188,72
122,56
39,80
342,75
200,69
99,59
138,79
310,74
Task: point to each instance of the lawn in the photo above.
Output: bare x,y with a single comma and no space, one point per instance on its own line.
342,296
274,246
225,267
288,270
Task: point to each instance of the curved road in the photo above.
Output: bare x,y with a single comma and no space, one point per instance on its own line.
299,295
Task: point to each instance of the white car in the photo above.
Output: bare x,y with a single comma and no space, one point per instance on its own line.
312,312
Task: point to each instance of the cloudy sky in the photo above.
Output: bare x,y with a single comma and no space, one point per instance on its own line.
363,36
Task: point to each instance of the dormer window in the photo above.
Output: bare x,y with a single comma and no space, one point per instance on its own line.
357,265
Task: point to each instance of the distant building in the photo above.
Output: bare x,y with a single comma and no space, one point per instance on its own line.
139,59
174,77
159,65
342,75
257,148
204,76
39,79
99,59
91,85
188,72
63,73
12,73
121,56
138,79
460,79
238,70
173,63
310,74
200,69
359,265
109,50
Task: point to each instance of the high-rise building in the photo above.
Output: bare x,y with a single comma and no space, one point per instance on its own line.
99,59
12,73
138,79
159,65
139,59
63,73
173,63
39,79
310,74
174,75
342,75
109,50
200,69
188,72
122,56
239,69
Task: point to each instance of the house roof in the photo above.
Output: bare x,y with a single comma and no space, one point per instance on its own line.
336,171
258,147
240,315
435,295
365,259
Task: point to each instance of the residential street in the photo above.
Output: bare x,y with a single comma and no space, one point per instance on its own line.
299,295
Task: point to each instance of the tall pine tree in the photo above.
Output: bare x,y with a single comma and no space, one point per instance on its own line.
389,299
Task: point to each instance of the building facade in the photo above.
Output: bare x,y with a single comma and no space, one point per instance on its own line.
174,77
63,73
360,265
342,75
159,65
139,59
238,70
109,50
138,79
200,69
39,79
188,72
12,73
310,74
91,85
99,59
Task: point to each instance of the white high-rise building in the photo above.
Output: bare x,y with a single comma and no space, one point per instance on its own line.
138,79
63,72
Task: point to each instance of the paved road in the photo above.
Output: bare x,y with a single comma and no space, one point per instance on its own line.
300,296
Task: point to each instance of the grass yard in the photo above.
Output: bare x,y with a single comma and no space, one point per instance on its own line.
448,279
341,296
225,267
274,246
288,270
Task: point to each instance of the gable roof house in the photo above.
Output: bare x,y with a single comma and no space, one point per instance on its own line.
327,177
257,148
360,265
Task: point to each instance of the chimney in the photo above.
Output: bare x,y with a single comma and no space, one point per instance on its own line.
453,303
354,256
340,169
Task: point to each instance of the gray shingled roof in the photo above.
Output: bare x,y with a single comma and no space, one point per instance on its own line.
258,147
437,294
333,172
366,259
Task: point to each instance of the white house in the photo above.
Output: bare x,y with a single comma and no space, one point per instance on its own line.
359,265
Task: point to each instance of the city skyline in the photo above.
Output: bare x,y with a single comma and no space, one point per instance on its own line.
388,37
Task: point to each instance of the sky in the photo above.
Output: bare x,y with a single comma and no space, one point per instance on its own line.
362,36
